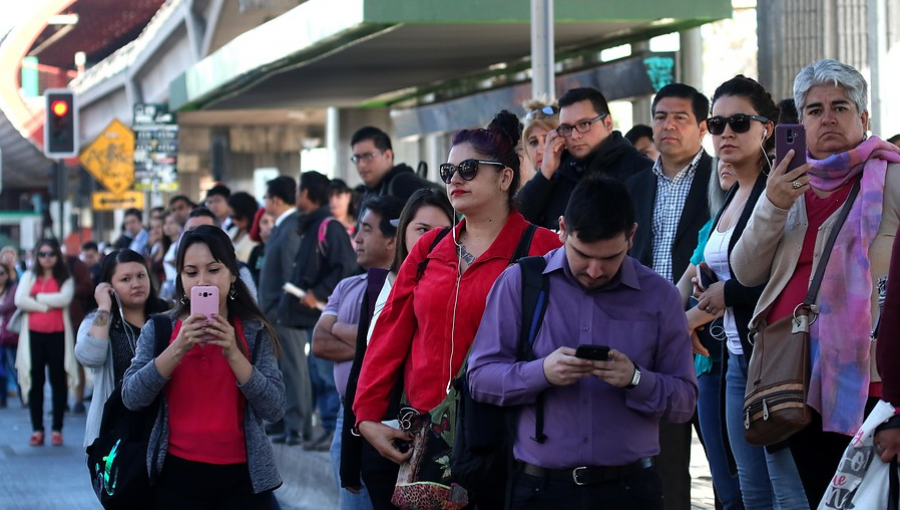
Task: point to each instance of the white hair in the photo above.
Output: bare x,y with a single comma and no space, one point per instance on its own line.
831,72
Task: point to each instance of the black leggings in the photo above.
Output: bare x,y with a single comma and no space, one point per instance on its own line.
47,350
188,485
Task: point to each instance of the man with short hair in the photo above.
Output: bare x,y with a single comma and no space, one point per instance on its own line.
323,258
373,156
180,206
641,137
134,236
592,147
600,418
278,267
671,206
217,202
90,255
334,337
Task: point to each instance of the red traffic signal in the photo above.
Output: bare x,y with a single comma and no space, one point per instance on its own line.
60,124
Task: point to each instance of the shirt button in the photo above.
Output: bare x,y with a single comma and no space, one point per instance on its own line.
584,328
585,440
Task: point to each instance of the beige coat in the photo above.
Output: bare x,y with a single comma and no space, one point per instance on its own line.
42,303
770,247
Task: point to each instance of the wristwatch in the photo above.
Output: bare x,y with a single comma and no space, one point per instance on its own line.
635,379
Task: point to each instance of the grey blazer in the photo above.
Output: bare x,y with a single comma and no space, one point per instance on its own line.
264,392
278,266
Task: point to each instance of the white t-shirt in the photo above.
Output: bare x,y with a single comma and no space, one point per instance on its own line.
716,256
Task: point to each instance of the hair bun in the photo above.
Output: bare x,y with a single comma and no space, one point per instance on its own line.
507,123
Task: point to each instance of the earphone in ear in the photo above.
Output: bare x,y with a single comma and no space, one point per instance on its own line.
765,133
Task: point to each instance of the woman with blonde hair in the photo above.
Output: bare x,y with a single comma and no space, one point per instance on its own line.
541,117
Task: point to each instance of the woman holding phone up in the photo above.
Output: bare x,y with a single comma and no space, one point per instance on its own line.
107,337
218,379
783,242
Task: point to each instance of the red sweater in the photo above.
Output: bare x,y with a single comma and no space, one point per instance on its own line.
415,332
887,351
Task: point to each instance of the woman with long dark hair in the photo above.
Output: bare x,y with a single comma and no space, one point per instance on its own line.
243,207
430,320
8,340
46,339
107,337
218,379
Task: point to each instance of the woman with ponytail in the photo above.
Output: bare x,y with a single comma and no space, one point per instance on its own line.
435,307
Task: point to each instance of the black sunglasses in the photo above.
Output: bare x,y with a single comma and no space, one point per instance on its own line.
46,254
467,169
739,122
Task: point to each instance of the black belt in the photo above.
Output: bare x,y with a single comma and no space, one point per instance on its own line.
587,475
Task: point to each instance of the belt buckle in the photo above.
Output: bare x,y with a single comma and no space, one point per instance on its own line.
575,473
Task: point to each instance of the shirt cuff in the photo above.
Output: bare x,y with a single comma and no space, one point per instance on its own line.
645,387
533,374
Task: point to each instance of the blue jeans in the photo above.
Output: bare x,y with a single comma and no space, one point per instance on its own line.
349,501
786,481
709,412
751,460
325,395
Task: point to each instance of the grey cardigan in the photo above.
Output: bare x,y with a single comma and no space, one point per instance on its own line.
264,393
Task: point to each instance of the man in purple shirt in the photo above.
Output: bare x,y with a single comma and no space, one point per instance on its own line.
334,337
601,418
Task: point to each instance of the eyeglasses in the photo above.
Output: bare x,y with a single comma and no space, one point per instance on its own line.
547,111
739,122
467,169
368,156
46,254
565,130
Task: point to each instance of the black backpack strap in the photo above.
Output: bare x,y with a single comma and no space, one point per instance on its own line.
535,294
524,243
422,265
162,327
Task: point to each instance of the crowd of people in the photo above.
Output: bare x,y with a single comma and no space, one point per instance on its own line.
601,294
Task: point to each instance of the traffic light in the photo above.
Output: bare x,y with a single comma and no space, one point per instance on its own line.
60,124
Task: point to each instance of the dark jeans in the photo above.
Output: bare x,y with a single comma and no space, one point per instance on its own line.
47,350
187,485
639,490
325,395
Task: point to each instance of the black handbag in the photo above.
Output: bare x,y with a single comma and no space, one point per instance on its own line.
117,459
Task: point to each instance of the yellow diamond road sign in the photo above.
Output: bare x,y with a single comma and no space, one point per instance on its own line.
110,158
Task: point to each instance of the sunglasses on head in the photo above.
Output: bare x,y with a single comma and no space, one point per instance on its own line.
46,254
547,111
467,169
740,123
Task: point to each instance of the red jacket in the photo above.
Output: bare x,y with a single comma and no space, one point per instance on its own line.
887,350
415,330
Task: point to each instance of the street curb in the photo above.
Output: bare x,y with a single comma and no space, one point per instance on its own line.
308,479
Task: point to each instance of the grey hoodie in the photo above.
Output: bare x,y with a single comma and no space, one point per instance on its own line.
264,392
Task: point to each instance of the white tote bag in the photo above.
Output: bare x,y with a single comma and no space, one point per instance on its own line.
862,480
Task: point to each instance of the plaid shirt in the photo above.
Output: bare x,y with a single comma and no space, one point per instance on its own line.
671,195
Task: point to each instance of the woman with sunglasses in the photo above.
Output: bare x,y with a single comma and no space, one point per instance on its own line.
46,339
541,118
107,337
783,245
8,340
427,326
742,132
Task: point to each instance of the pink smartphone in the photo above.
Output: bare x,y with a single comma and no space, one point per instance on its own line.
204,300
787,137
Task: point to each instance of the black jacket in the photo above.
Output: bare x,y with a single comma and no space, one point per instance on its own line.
315,271
401,182
642,188
742,299
543,201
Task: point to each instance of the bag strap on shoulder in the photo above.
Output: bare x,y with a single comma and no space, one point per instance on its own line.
424,264
535,294
162,326
829,245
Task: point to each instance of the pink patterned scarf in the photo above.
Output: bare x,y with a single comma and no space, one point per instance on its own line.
840,338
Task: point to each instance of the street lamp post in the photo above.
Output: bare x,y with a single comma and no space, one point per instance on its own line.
542,50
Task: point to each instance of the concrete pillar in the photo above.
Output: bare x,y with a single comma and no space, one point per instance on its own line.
640,107
692,58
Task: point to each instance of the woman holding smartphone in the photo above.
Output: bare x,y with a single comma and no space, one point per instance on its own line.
427,327
46,339
107,338
218,380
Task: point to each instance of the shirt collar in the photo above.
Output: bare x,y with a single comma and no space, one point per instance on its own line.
687,171
626,276
283,216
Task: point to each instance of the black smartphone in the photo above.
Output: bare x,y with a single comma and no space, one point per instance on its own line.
592,352
401,445
787,137
706,276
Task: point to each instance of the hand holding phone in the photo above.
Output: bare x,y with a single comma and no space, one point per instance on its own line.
790,137
705,277
205,301
592,352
